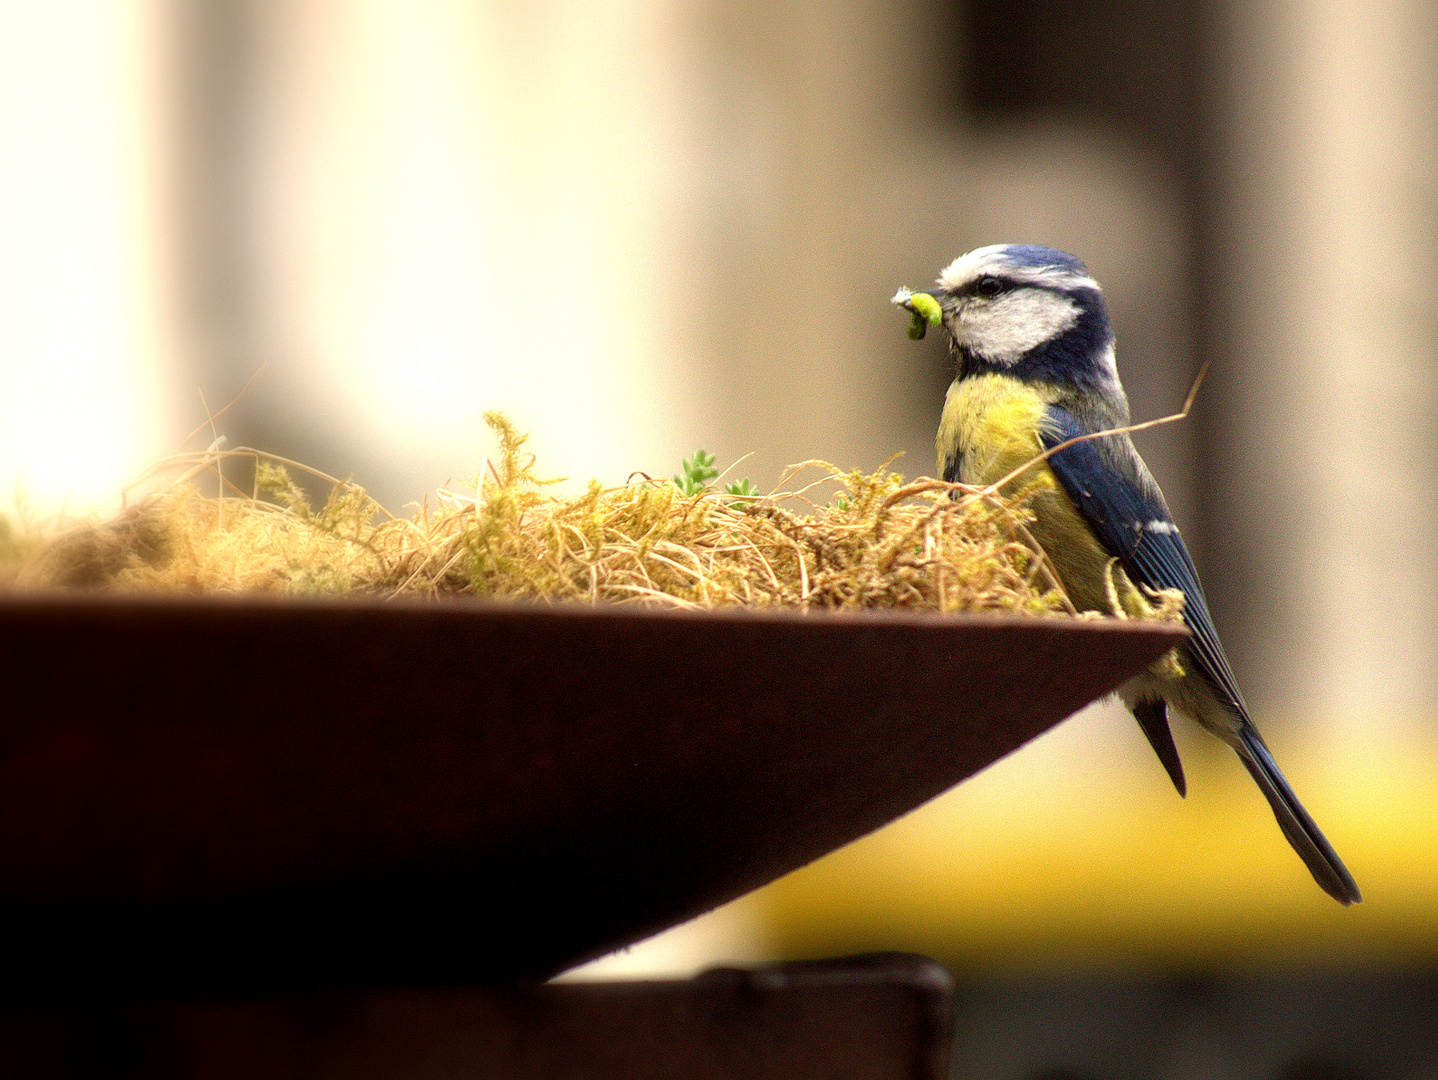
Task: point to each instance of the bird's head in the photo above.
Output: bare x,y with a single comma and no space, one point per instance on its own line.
1031,311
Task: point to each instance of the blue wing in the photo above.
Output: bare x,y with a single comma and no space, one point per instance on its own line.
1122,505
1114,494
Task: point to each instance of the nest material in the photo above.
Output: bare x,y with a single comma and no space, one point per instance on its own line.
878,543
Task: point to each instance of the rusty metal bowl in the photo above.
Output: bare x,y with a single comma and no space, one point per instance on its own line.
203,795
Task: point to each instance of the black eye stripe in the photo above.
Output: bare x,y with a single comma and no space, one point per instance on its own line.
989,287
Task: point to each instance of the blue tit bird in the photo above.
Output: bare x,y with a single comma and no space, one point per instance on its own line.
1034,347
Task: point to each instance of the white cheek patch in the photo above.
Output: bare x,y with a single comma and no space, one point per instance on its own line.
1003,330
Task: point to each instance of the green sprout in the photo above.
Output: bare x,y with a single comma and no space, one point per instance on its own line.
923,307
698,471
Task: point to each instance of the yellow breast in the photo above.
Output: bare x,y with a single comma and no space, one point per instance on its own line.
991,426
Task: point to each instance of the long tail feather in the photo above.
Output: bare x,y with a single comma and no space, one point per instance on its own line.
1310,843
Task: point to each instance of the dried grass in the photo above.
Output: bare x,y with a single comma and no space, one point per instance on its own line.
876,543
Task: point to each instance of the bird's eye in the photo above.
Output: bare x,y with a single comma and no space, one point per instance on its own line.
989,287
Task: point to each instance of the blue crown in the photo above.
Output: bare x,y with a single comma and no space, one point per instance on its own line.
1036,256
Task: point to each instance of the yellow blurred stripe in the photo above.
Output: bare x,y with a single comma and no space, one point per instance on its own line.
1093,870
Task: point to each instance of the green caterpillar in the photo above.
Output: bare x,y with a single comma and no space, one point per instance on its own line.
923,307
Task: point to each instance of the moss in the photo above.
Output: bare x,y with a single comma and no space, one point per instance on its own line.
878,542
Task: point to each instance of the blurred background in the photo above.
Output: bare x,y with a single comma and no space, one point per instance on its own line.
644,228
